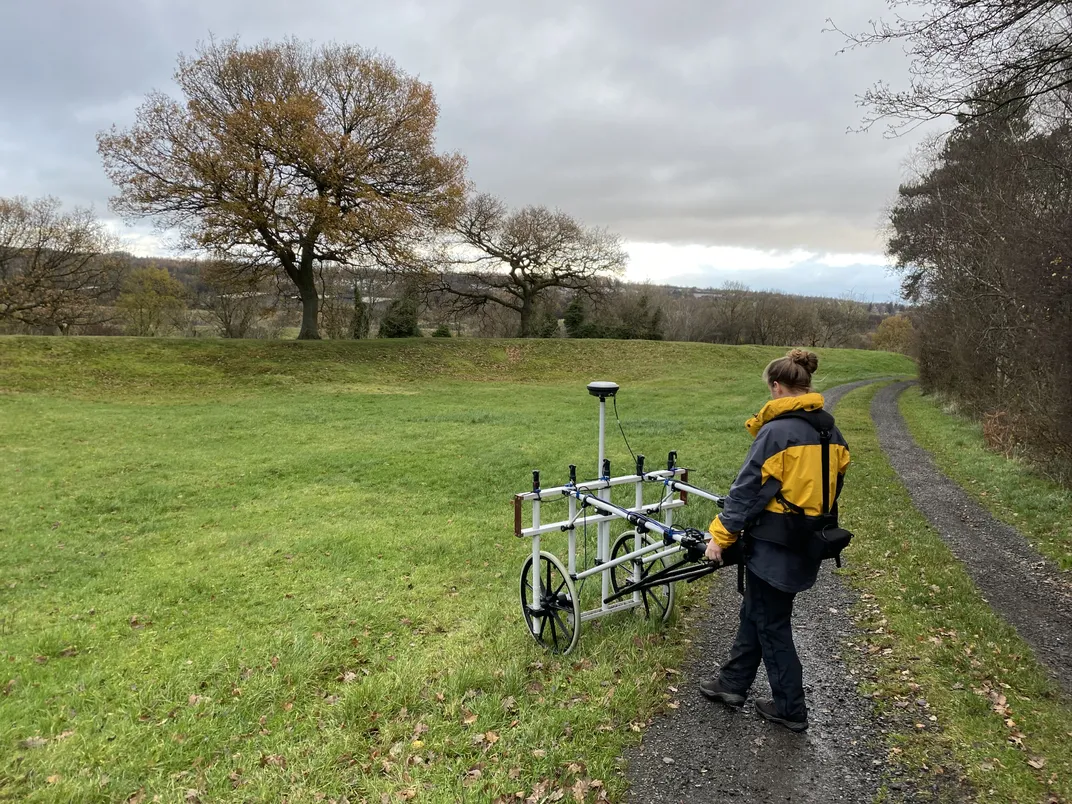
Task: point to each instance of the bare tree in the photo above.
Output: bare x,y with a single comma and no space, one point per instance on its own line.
241,299
55,266
512,259
839,323
283,155
961,50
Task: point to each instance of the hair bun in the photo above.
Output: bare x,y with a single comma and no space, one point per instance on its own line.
809,361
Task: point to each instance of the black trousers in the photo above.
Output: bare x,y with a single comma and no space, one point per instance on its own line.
766,633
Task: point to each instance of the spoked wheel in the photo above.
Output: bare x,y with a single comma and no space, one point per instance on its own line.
556,621
659,600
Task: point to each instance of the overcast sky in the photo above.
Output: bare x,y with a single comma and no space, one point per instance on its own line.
711,134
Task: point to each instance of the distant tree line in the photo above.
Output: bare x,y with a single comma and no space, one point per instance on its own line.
218,298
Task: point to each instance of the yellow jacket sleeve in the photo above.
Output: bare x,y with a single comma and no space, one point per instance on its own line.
723,538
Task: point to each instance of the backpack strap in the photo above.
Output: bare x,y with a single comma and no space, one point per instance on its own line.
824,441
826,433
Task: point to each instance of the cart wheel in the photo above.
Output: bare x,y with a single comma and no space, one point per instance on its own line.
659,600
556,623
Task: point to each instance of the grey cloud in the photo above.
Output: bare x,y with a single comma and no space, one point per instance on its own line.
688,121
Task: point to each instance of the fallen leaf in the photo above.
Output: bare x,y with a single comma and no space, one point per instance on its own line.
471,776
33,742
137,797
193,796
1037,762
54,778
469,718
491,737
63,735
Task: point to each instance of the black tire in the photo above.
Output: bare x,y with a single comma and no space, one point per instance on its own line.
659,600
556,623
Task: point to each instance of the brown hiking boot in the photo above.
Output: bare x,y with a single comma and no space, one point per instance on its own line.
765,708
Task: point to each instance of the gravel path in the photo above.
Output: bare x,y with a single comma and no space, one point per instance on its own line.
706,752
1023,587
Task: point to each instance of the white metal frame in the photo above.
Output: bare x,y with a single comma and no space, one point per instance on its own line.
645,517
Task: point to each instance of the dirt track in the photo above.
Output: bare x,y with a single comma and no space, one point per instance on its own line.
720,754
1023,587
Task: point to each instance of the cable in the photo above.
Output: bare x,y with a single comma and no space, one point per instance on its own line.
622,429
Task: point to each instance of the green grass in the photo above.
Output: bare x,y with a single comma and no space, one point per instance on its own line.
1012,491
259,570
990,709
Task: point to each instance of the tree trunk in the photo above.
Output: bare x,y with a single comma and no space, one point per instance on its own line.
310,330
525,330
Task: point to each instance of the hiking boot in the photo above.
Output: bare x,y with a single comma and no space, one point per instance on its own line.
712,688
766,710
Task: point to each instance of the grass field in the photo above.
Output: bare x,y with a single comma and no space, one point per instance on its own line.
249,570
990,715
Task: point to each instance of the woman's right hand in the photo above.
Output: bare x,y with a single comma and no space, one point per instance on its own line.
713,552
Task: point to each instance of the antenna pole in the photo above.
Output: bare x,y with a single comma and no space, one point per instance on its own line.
602,389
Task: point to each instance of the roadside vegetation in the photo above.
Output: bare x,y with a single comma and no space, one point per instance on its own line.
1013,490
976,710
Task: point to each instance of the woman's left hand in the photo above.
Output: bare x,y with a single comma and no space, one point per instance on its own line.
713,552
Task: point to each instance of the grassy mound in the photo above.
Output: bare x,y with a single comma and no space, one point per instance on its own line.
263,569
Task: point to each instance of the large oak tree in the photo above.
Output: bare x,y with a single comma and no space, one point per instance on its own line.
284,154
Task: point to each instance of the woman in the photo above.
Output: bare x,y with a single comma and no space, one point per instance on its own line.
781,475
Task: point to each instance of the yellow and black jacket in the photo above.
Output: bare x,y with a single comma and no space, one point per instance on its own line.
784,464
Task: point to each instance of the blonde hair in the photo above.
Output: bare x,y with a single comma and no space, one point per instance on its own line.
792,371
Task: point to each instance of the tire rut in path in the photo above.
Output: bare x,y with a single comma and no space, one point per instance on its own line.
720,754
1025,589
